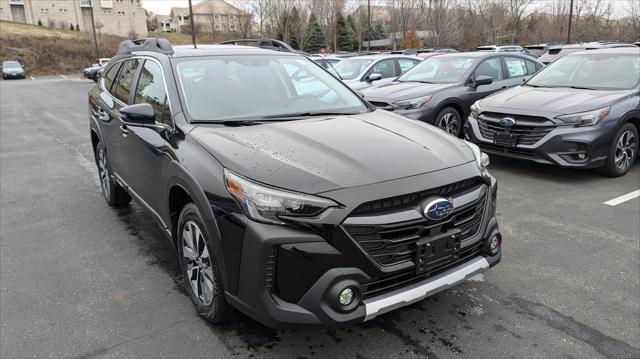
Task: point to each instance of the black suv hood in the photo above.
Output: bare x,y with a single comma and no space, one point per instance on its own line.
550,102
397,91
322,154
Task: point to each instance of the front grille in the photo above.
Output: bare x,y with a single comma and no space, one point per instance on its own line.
491,148
412,199
496,116
390,283
394,243
382,105
523,134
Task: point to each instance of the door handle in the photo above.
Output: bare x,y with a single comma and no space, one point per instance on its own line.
504,87
124,129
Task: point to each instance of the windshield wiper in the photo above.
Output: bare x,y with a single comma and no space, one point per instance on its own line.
293,116
582,88
232,122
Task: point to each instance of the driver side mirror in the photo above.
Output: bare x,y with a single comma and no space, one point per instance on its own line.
140,114
374,77
482,80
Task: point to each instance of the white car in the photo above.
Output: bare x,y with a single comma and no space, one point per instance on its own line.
364,71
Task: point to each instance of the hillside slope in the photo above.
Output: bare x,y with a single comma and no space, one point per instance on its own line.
47,51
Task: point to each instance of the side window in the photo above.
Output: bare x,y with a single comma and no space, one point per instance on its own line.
406,64
110,75
532,68
125,78
386,68
150,89
516,66
490,67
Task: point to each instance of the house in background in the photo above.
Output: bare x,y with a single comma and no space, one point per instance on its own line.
212,16
116,17
164,23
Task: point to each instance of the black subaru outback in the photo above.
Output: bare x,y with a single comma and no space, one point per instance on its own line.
285,194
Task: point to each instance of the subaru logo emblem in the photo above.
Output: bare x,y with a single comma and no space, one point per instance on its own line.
507,122
437,209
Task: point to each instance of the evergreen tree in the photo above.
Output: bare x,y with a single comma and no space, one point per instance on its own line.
77,27
295,22
283,29
71,27
346,36
379,31
314,38
39,22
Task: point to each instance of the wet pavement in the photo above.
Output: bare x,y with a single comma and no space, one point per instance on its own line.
79,279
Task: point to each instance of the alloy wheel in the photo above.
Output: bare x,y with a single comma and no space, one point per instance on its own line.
449,123
625,150
103,172
197,263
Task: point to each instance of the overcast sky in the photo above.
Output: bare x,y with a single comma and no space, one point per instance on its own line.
164,6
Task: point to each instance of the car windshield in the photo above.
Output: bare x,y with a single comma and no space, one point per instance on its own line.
349,69
438,69
237,88
11,65
597,71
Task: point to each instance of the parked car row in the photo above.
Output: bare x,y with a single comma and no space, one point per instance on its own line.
582,111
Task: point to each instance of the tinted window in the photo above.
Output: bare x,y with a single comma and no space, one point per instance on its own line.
150,89
439,69
490,67
406,64
125,78
351,68
532,67
110,75
516,66
248,87
386,68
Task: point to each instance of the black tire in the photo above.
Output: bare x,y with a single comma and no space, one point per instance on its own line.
623,152
203,267
449,120
115,195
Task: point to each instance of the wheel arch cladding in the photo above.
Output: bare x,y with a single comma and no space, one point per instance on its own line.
183,189
94,141
454,105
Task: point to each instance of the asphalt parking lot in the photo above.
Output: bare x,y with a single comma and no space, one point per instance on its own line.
79,279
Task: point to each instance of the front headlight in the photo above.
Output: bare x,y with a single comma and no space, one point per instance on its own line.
265,204
589,118
413,103
475,110
482,159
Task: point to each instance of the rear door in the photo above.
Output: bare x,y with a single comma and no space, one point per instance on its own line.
516,69
405,65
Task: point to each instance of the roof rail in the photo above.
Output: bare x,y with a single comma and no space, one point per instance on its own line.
156,44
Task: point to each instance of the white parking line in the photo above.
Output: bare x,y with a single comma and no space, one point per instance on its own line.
627,197
64,77
32,78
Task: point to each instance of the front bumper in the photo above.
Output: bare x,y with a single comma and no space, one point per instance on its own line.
565,146
13,75
291,277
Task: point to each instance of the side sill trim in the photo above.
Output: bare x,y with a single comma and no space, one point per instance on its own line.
402,297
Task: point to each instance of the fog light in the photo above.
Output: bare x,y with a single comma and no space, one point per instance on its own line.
346,296
495,242
582,155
